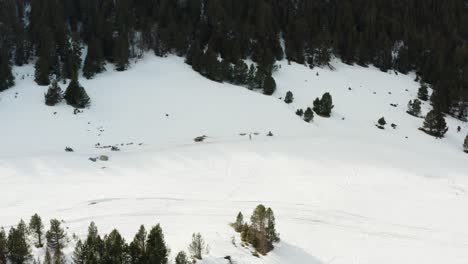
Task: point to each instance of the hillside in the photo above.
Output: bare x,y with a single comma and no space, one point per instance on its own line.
343,190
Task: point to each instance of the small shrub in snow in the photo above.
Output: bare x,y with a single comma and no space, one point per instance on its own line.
54,94
414,107
381,123
181,258
289,97
269,85
308,115
299,112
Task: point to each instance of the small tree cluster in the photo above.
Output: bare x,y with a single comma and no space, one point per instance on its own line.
198,246
289,97
434,124
54,94
414,107
261,232
324,106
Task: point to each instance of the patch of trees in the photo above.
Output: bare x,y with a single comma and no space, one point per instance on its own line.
434,124
261,232
214,35
414,107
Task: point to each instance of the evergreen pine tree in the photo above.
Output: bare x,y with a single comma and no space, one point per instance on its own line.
3,246
324,106
300,112
239,222
289,98
116,250
75,95
156,248
240,73
423,93
414,107
269,85
381,122
138,247
271,234
18,248
93,247
181,258
54,94
56,241
434,124
197,246
94,61
251,77
121,52
465,145
308,115
6,76
37,228
79,254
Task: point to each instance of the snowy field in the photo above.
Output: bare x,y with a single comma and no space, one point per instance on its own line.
343,191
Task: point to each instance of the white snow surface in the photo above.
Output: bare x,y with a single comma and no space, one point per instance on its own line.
343,191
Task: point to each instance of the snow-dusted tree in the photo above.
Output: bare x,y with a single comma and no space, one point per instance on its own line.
289,97
308,115
37,229
324,106
414,107
423,93
197,246
3,246
156,248
54,94
76,96
181,258
56,240
434,124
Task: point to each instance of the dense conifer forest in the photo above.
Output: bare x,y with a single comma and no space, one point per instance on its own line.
426,36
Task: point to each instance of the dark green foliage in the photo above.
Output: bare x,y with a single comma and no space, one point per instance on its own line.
156,248
76,96
465,145
121,52
115,248
137,247
3,246
48,257
94,61
423,93
79,254
54,94
197,246
239,222
17,246
414,107
56,241
37,229
300,112
269,85
324,106
251,77
289,98
261,233
308,115
181,258
434,124
381,121
6,77
240,73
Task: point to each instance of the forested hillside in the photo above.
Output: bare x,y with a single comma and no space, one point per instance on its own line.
426,36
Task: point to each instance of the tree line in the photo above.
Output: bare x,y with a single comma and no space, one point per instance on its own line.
428,37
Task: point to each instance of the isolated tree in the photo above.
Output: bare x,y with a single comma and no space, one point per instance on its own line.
75,95
300,112
414,107
289,97
465,145
239,222
181,258
423,93
197,246
381,122
54,94
434,124
156,248
56,240
18,248
324,106
3,246
137,248
37,229
115,249
269,85
308,115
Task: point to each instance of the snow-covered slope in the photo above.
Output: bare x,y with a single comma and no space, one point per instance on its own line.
343,191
